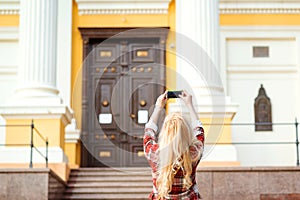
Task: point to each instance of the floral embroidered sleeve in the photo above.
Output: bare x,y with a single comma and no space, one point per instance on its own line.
151,144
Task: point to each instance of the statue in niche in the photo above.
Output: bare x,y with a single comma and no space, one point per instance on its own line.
263,111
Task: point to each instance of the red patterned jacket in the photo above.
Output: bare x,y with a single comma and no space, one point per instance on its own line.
151,152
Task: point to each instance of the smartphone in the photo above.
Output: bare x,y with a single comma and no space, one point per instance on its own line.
173,94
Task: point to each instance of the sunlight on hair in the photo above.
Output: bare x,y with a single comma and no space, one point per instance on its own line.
175,139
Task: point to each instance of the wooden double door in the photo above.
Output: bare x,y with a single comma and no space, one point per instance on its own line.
122,80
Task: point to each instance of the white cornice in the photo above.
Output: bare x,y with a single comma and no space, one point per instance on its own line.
33,112
9,33
94,7
263,69
259,7
9,7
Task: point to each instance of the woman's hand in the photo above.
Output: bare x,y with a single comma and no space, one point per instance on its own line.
186,97
161,100
159,105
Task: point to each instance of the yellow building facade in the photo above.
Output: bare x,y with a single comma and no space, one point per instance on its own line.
52,95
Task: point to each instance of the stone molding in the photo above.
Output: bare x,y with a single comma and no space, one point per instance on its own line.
96,7
121,11
9,33
72,133
62,112
9,11
267,69
275,32
9,7
258,7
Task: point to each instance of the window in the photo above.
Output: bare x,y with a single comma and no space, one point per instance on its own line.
260,52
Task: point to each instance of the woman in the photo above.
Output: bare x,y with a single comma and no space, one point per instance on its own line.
175,153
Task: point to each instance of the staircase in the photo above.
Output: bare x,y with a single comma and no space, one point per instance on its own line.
109,183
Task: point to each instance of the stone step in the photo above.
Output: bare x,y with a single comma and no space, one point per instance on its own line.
109,179
111,184
111,190
106,196
125,170
113,173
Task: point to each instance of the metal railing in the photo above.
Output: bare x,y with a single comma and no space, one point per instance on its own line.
33,130
295,142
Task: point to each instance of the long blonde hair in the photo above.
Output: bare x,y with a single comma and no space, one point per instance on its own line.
174,141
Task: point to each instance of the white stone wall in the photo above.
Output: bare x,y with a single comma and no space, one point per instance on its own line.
9,42
279,74
8,61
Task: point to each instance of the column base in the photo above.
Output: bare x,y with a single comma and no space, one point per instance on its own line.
49,123
27,111
33,95
220,155
22,155
219,164
19,157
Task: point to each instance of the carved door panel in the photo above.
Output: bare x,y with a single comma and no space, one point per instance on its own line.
125,77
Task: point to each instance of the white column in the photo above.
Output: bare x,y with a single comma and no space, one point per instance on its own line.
198,70
38,42
37,97
197,43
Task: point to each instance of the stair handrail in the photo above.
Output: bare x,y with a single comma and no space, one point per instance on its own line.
33,130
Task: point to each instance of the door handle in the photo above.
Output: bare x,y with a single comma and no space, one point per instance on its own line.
113,137
143,103
105,103
132,116
113,69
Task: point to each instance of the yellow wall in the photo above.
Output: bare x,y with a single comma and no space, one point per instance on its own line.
171,49
76,79
9,20
259,19
73,151
128,20
53,129
217,132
